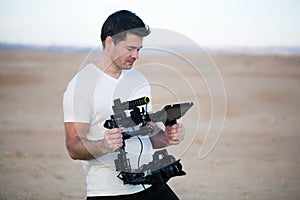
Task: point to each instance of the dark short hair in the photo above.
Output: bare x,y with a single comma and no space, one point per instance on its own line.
118,24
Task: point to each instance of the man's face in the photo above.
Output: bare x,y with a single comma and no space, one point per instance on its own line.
124,53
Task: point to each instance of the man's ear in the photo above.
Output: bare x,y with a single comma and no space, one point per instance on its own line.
109,42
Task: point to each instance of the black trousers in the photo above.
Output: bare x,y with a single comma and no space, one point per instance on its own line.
162,192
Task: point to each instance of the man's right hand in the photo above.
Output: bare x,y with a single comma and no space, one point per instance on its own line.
113,139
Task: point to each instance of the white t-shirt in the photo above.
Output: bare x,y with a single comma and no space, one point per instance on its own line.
89,99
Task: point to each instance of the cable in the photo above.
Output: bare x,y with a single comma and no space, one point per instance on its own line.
143,185
139,158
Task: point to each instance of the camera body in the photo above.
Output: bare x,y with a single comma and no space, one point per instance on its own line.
163,166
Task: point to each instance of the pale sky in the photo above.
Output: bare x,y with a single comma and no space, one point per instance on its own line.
253,23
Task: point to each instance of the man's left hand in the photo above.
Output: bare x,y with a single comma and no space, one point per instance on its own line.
175,133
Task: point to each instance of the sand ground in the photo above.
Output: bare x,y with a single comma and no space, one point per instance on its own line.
256,157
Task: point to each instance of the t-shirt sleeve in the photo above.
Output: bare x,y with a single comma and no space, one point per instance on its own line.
76,105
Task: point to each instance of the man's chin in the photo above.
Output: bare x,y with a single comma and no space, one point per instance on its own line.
127,67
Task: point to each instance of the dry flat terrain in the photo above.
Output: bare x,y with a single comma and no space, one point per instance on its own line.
256,157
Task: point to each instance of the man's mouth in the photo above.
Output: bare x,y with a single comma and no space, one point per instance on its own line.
130,62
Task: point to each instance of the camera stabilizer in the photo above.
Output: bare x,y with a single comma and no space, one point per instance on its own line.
164,166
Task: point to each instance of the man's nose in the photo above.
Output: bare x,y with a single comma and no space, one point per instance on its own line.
135,54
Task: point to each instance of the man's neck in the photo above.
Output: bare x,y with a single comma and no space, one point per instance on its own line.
113,71
109,67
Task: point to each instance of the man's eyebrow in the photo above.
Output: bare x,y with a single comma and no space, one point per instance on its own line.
134,47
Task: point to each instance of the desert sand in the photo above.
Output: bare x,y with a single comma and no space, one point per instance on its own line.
256,156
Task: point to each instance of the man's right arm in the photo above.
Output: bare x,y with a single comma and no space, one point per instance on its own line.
80,148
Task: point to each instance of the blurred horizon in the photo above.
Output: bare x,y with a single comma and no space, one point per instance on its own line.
265,50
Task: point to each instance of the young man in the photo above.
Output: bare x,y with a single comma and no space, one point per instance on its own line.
87,104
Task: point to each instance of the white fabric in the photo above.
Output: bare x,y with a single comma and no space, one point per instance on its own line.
89,99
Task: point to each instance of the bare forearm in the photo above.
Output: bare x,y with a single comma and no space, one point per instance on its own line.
83,149
80,148
159,140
